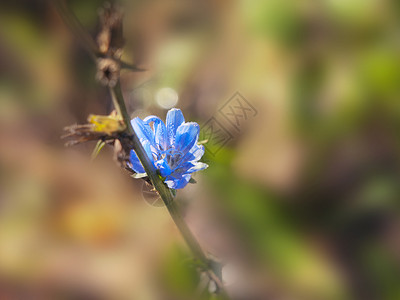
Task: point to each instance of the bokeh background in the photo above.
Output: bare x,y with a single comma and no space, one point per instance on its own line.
301,203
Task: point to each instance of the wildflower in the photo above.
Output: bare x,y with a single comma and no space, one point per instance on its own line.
172,148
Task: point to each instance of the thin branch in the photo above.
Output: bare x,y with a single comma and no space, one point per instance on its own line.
119,104
85,39
131,67
76,28
163,190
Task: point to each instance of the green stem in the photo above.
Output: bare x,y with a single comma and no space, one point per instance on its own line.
151,172
162,189
119,104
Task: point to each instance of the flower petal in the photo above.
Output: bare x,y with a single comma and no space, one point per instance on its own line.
143,130
160,131
174,120
151,151
198,166
186,136
164,168
182,169
194,154
136,164
177,183
134,159
189,167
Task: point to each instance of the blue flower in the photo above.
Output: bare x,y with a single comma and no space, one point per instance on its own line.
172,149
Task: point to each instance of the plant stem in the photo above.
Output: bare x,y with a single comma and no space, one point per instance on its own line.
119,104
76,28
84,38
151,172
163,190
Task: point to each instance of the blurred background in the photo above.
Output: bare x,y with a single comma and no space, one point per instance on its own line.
301,197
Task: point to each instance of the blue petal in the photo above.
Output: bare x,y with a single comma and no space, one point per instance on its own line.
134,159
186,137
174,120
160,131
164,168
198,166
143,130
136,164
177,183
182,169
151,151
189,167
194,154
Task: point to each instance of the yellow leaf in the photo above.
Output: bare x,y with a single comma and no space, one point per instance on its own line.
107,124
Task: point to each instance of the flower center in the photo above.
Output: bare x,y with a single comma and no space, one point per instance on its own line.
172,156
